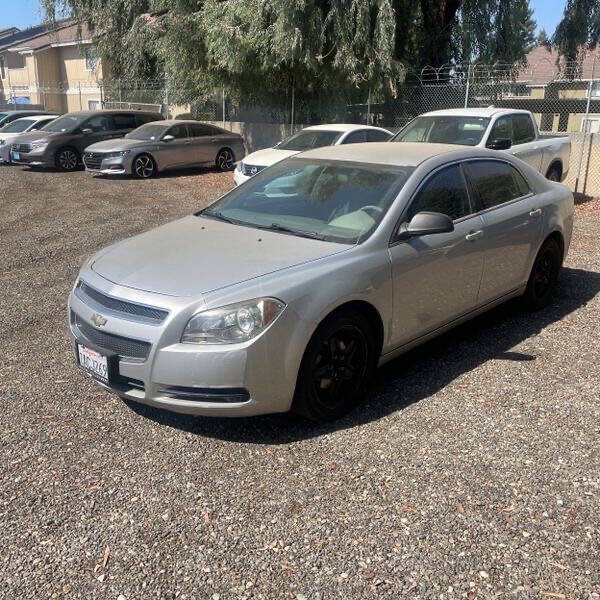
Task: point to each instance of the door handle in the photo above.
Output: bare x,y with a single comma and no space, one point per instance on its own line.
473,235
535,213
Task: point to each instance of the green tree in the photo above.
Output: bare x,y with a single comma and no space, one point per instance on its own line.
578,29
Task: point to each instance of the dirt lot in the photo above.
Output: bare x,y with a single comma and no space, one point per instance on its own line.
473,472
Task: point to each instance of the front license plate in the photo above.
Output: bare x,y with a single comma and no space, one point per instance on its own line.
93,363
16,156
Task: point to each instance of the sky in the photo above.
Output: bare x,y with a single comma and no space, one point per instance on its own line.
21,13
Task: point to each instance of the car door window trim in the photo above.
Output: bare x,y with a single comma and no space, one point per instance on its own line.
393,241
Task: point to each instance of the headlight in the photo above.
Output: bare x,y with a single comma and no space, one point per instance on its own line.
39,145
2,142
116,154
232,324
241,166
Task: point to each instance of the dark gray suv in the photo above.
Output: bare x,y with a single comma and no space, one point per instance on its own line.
61,143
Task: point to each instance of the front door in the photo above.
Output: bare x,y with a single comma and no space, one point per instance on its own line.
436,277
512,226
176,151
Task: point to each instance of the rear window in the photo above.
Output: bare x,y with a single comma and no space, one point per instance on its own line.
308,139
496,182
444,129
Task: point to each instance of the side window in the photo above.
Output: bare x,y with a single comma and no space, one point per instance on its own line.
123,121
178,131
355,137
523,130
373,135
445,192
502,130
496,182
198,130
143,119
99,123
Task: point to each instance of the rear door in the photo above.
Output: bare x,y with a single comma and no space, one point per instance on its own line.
524,143
355,137
436,277
123,124
512,227
205,142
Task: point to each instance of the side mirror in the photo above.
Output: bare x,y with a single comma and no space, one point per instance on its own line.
86,131
425,223
167,138
499,144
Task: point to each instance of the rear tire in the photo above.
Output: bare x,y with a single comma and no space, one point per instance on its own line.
554,174
225,160
543,277
67,159
143,166
338,363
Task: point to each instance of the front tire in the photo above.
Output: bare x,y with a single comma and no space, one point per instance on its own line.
143,166
543,277
338,363
225,160
67,159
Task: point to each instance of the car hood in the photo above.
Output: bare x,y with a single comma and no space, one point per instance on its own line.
195,255
268,157
9,136
39,136
116,145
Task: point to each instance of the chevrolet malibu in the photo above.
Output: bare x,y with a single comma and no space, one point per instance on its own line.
290,290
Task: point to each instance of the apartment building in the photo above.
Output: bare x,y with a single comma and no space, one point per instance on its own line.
56,68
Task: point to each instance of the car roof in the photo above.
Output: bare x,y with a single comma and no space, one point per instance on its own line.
110,111
341,127
405,154
35,117
486,112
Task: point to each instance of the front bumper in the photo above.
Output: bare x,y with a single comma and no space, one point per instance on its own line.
5,153
117,165
251,378
239,177
33,159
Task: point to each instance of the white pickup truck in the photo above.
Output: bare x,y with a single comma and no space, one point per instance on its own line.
513,131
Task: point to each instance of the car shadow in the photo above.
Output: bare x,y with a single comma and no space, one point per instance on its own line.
168,174
413,376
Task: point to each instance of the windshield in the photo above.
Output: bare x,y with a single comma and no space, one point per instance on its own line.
17,126
466,131
65,124
308,139
148,132
330,200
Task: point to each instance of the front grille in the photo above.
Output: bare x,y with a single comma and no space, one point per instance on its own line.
92,160
24,148
85,293
250,170
125,347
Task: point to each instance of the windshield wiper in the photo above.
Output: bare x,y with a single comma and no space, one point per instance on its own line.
300,232
219,216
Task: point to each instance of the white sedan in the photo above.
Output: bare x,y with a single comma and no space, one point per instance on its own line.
315,136
15,128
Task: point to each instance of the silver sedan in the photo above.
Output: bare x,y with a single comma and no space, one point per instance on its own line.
162,145
291,289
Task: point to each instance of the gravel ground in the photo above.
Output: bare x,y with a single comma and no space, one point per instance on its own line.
473,472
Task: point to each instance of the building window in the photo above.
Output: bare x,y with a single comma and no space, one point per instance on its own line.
596,89
590,125
91,59
2,67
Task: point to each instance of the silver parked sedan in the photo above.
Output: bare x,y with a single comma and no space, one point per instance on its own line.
162,145
289,291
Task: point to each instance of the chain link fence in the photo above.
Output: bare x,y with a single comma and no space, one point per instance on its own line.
563,97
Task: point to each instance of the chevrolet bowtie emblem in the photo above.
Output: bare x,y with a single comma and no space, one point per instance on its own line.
98,320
